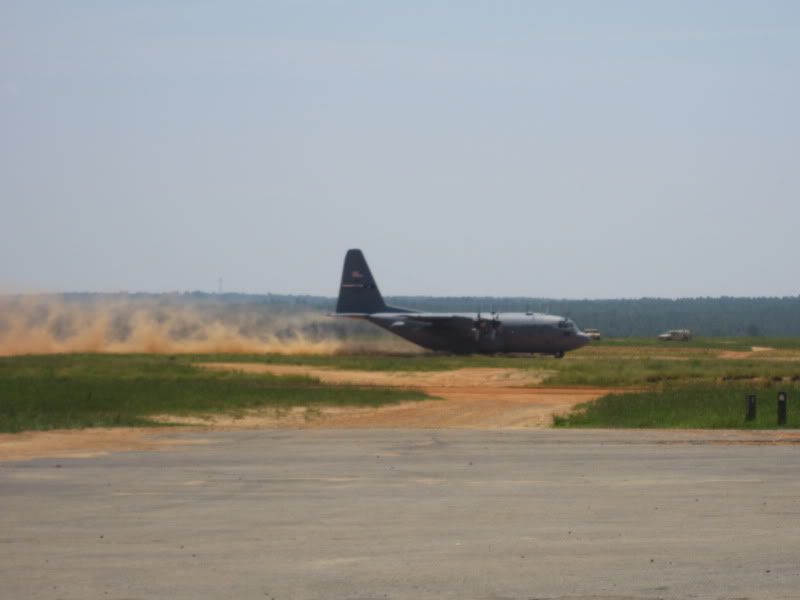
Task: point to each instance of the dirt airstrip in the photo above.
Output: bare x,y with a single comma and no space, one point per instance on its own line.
480,398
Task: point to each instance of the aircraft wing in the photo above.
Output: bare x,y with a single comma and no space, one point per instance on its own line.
420,320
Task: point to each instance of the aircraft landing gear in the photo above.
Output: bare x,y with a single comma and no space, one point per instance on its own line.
558,355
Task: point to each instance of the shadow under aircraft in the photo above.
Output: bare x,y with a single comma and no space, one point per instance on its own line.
459,333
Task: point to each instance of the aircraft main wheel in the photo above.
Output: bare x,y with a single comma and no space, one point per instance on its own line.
559,355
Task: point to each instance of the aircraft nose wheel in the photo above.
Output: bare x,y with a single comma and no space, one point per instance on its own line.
559,355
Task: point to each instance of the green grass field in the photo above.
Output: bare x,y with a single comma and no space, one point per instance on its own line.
705,343
96,390
673,384
612,363
377,362
692,407
647,371
697,384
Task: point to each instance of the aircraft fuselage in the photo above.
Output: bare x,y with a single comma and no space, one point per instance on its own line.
468,333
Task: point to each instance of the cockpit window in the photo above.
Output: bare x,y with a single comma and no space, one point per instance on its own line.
567,324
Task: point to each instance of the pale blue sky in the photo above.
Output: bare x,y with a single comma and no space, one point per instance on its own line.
557,149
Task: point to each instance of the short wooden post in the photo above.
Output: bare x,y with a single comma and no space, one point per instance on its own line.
782,408
751,408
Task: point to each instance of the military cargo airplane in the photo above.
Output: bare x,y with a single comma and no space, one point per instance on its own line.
460,333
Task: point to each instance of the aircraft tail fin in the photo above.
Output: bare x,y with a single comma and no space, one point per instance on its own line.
358,293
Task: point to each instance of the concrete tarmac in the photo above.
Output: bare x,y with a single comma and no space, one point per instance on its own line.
398,514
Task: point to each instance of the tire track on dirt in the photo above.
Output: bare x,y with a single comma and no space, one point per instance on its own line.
473,398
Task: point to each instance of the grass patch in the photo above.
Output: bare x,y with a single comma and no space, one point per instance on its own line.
648,372
710,343
75,391
680,406
383,362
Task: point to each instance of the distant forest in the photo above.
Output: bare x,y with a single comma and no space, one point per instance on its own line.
724,316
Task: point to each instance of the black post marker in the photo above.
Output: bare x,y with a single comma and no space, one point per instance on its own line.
782,408
751,408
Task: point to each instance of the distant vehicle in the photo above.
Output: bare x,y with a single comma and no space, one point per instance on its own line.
461,333
682,335
593,334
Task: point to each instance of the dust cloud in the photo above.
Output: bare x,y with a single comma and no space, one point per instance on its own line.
50,324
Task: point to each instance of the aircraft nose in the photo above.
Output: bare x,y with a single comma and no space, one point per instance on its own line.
584,339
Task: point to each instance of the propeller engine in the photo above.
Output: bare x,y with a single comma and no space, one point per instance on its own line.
482,325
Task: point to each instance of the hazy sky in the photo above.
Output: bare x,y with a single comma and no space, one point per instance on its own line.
555,149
